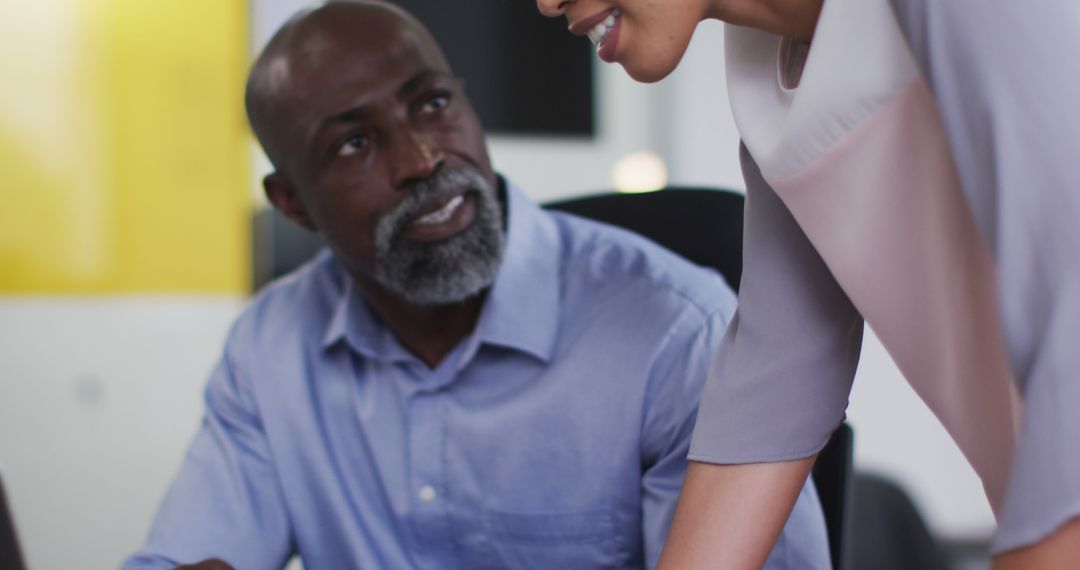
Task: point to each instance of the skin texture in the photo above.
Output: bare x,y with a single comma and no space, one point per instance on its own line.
755,500
1059,550
355,104
654,34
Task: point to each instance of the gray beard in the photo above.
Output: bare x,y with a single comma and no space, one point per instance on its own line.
449,271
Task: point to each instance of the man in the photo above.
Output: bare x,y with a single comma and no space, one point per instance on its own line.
465,380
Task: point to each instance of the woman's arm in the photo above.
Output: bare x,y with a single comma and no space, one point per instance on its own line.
1059,550
729,516
777,389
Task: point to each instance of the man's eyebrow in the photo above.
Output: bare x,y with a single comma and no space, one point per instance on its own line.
358,113
414,82
351,115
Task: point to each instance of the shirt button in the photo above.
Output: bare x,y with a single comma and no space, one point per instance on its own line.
427,493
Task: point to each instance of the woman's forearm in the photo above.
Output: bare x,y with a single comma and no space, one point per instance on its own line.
1059,550
729,516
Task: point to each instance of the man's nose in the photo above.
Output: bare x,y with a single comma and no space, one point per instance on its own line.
553,8
414,157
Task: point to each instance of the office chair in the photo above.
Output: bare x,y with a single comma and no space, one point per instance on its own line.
11,557
278,246
700,224
705,226
833,480
887,530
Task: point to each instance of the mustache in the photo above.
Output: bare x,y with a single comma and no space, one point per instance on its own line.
443,181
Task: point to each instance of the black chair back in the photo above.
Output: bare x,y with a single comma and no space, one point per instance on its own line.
833,479
702,225
10,555
888,531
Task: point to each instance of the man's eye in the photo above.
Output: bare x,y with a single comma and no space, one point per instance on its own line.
435,104
352,145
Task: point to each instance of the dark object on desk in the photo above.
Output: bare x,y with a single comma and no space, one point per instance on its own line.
10,555
212,564
887,531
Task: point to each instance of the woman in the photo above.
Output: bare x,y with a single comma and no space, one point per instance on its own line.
912,168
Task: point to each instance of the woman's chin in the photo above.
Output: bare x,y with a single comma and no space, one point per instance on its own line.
651,67
647,73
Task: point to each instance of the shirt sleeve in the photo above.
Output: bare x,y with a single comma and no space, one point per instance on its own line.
674,386
226,502
675,381
778,386
1003,77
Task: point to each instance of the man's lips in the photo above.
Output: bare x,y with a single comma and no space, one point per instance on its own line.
435,205
442,214
442,218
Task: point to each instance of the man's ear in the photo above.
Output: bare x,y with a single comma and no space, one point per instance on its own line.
282,194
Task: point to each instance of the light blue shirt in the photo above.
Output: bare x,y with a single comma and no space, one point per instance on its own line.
554,436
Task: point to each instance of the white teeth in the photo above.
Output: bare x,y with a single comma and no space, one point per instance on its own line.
599,32
442,214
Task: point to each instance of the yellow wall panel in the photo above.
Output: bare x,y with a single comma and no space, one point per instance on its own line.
124,162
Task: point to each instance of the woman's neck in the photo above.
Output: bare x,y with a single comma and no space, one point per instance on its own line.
789,18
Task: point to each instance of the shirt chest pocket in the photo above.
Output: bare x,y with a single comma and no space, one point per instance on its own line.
582,539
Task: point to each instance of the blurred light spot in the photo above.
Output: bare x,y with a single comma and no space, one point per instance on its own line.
639,172
89,391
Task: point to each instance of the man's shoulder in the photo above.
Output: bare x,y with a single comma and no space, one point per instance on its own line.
302,301
604,260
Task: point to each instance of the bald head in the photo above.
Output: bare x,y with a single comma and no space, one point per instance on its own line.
300,59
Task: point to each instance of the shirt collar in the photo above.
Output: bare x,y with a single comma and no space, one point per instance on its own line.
355,322
522,307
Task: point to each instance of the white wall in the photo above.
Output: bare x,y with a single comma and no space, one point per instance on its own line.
98,399
702,142
896,435
99,396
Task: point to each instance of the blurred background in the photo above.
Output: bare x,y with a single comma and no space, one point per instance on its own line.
128,186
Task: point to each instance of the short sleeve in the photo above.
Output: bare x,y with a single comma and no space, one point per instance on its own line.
778,386
675,381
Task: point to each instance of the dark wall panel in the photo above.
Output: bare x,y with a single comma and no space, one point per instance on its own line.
524,73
